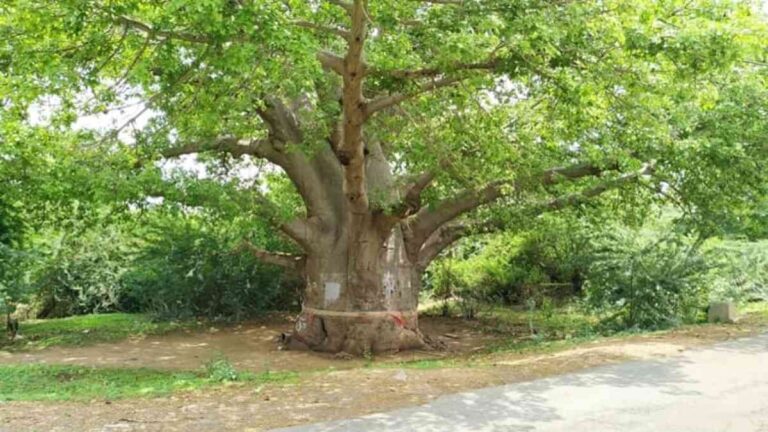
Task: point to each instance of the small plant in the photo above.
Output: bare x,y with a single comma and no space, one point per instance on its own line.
220,369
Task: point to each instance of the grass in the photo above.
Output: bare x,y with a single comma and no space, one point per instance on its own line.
80,383
87,329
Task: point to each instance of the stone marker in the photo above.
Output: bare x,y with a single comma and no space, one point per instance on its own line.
723,312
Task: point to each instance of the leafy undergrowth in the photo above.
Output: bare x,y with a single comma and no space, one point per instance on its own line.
552,323
755,313
87,329
554,329
80,383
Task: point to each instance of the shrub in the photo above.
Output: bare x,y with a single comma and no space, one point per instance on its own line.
456,279
740,271
81,272
512,267
646,279
190,268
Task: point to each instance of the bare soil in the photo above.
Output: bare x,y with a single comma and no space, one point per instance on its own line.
251,346
321,395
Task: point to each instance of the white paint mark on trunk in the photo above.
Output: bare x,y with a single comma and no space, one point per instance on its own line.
389,283
332,292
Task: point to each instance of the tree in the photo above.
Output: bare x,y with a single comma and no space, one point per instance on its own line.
403,125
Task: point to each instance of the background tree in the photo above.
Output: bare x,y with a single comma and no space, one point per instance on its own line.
399,123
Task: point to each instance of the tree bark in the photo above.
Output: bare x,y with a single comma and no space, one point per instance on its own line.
361,296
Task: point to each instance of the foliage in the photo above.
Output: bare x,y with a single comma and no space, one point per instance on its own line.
452,279
646,279
190,267
161,262
81,272
740,270
547,261
614,83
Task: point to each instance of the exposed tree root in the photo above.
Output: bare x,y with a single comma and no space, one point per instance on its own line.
358,335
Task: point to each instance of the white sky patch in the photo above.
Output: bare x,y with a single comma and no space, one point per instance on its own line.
41,112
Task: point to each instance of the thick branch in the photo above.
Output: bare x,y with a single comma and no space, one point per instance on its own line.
347,6
449,233
351,151
284,128
411,202
444,2
228,144
331,61
429,219
555,175
580,197
289,261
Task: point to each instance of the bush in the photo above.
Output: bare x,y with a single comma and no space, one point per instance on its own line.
740,271
81,272
646,279
455,279
513,267
189,268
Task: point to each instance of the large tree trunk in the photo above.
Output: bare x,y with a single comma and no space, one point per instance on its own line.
361,295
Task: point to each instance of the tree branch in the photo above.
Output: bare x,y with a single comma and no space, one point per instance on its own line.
227,143
412,200
580,197
449,233
347,6
556,174
444,2
148,29
384,102
289,261
284,130
435,71
351,151
324,29
331,61
429,219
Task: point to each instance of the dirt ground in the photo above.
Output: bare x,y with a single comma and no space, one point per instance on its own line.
320,395
250,347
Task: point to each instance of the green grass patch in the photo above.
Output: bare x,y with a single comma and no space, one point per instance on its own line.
422,364
757,311
88,329
79,383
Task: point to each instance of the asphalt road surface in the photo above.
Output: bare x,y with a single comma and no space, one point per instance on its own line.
715,389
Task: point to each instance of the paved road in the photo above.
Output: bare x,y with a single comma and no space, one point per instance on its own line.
720,388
